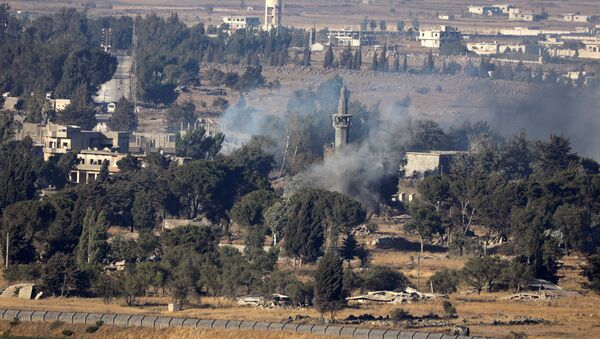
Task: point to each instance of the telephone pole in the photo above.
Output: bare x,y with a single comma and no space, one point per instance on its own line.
7,244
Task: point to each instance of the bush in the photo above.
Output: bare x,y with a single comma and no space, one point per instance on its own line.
399,314
444,281
15,321
22,273
378,278
449,309
91,329
67,333
99,323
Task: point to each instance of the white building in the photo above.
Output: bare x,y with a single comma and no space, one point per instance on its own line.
571,17
518,16
437,37
485,10
273,13
491,48
420,164
348,37
241,22
590,51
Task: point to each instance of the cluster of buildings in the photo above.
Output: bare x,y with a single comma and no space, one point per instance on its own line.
93,148
272,18
516,14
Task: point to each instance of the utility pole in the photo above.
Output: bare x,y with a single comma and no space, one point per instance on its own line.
133,70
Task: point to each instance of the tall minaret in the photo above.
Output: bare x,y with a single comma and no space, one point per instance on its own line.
273,10
342,121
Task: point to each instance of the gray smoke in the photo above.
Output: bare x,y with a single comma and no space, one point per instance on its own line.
553,109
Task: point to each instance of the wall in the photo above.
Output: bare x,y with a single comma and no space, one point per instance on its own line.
165,322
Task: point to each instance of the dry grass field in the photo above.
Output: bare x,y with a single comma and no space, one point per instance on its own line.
110,332
309,13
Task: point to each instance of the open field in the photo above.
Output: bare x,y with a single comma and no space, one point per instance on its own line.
54,330
309,13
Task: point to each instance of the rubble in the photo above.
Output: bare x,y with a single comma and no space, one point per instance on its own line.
21,291
408,295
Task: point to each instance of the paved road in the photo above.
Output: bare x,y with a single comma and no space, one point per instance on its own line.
118,86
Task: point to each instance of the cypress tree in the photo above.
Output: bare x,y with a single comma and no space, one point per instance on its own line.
358,58
374,64
396,67
405,64
92,242
383,62
329,58
330,293
306,57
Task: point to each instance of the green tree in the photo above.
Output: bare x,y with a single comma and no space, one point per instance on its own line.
124,117
25,223
445,281
591,271
517,274
129,164
382,278
400,26
92,246
375,62
143,211
575,226
18,172
483,272
181,114
426,223
249,210
330,294
80,112
329,58
60,275
372,24
382,25
350,247
197,144
405,64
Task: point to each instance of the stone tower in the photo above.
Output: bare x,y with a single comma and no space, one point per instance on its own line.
273,10
342,121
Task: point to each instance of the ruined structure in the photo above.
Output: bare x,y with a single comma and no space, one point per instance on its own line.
342,121
273,10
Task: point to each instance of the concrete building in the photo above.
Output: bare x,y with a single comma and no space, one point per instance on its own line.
491,48
60,139
437,37
342,121
572,17
419,164
518,16
273,13
349,37
485,10
89,164
158,142
590,51
241,22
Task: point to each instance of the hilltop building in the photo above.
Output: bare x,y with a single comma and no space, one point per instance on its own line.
273,13
420,164
241,22
438,37
349,37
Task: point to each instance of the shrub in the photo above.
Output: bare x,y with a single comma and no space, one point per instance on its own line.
91,329
444,281
15,321
399,314
378,278
67,333
99,323
449,309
